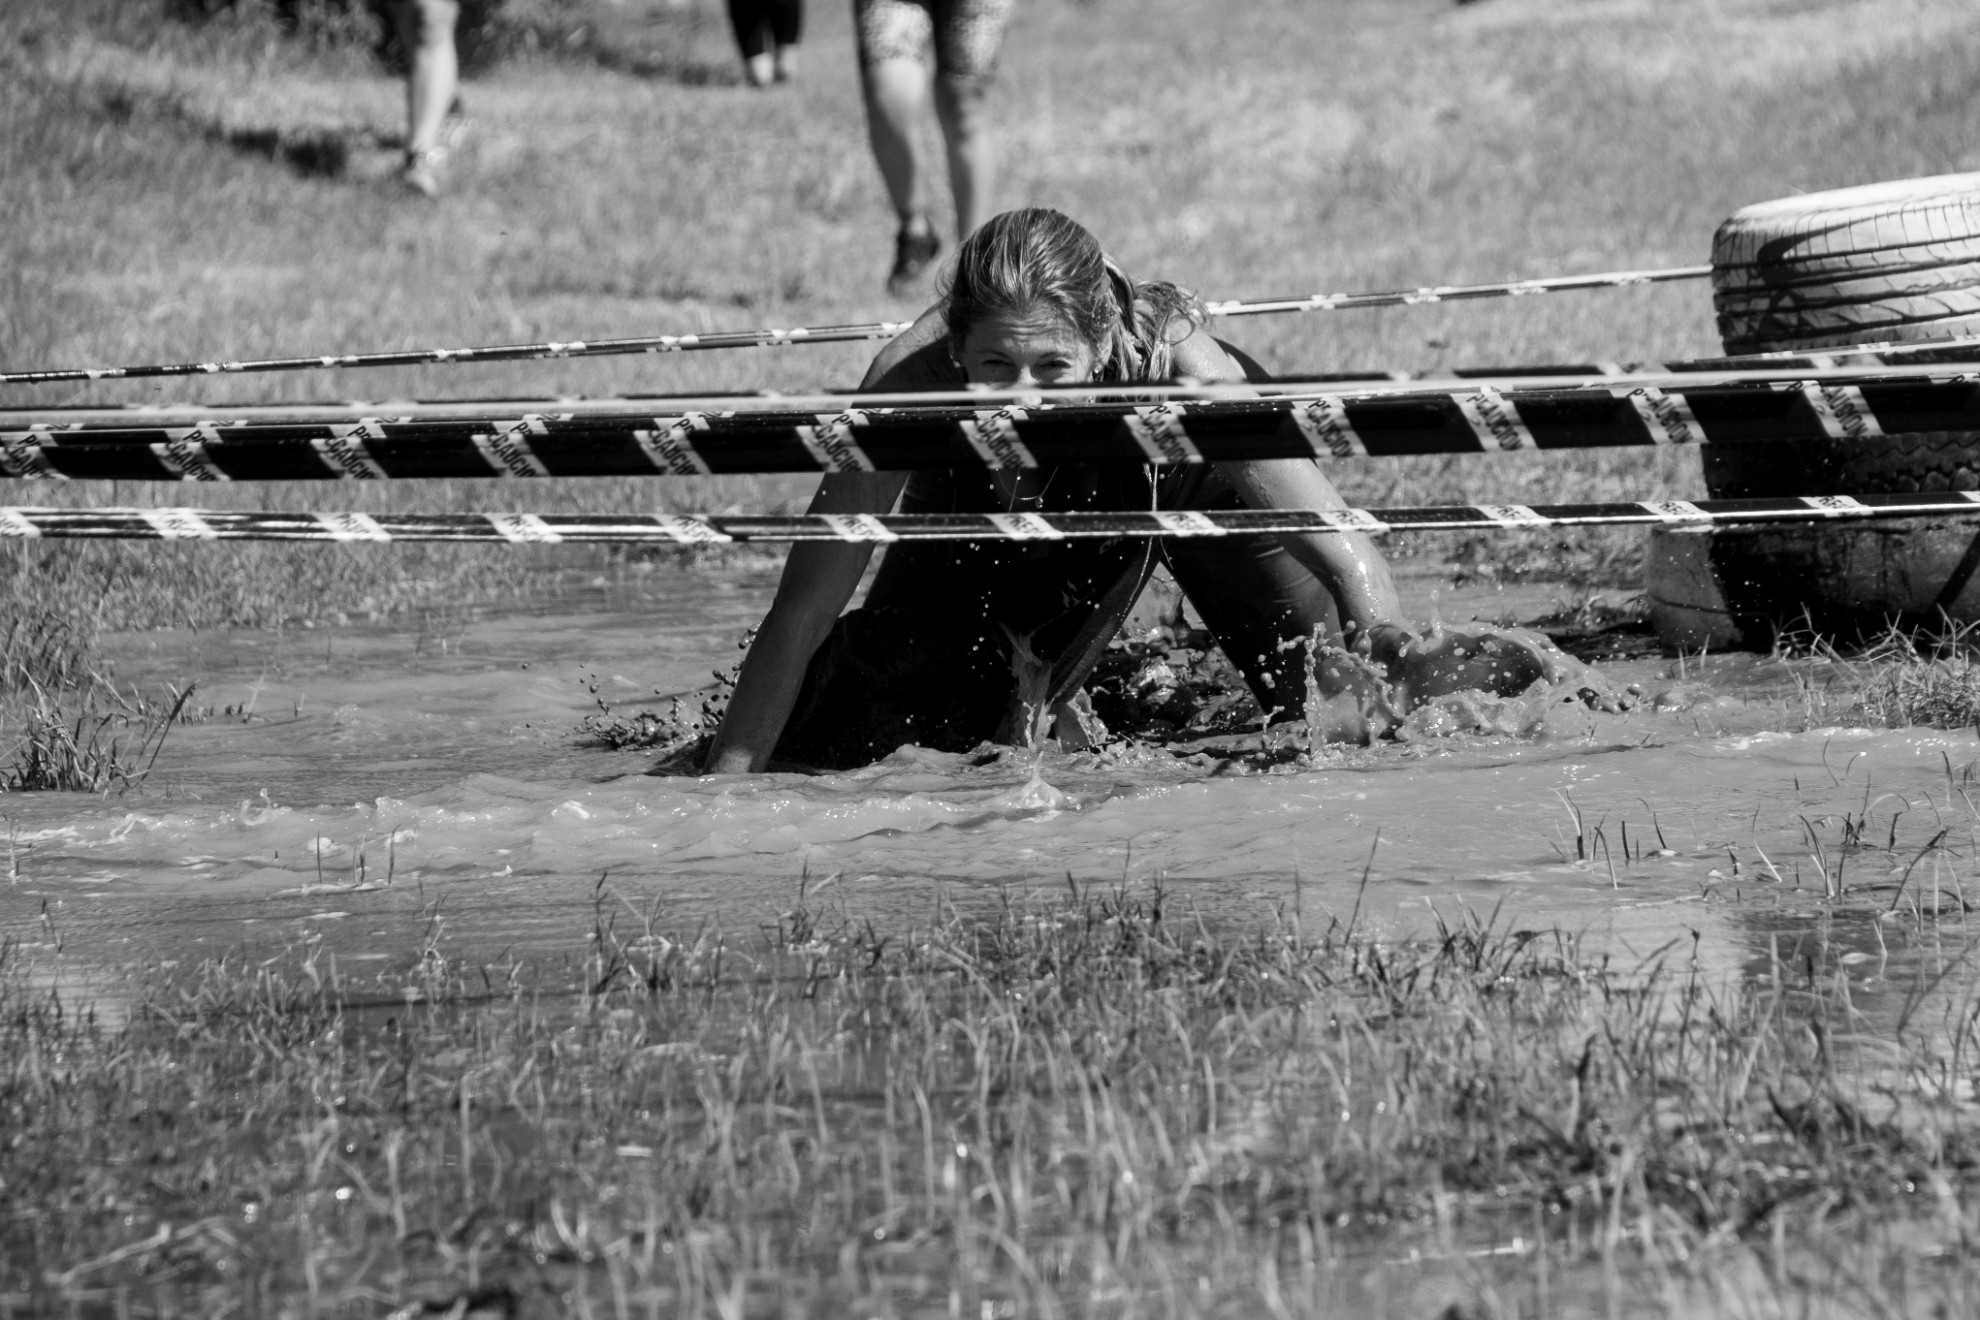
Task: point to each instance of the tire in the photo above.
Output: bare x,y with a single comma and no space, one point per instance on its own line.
1888,261
1743,586
1895,262
1899,279
1901,332
1950,279
1859,322
1851,230
1892,465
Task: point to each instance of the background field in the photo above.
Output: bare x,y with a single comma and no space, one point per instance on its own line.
177,191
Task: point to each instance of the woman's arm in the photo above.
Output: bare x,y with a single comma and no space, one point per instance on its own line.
1393,668
819,578
1347,562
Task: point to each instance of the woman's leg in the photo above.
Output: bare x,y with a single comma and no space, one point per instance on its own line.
1266,610
893,37
751,21
426,30
786,31
969,36
1273,617
972,153
897,96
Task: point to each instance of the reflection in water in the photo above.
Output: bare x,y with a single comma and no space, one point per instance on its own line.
380,771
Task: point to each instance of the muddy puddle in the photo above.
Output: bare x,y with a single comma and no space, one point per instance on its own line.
360,787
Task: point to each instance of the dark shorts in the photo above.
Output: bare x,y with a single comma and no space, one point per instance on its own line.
1262,605
884,678
965,35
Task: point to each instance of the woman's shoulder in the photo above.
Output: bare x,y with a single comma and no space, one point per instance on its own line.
916,359
1202,356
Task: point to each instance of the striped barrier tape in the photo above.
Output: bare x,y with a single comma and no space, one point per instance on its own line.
632,408
1768,367
1830,359
177,524
1481,419
820,334
1843,358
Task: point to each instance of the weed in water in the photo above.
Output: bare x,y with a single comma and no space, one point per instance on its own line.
1895,681
63,725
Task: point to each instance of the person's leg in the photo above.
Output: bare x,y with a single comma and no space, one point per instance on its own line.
1273,617
897,97
1264,608
893,38
751,21
786,31
969,35
972,155
426,29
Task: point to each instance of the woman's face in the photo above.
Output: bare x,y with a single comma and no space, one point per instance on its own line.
1036,348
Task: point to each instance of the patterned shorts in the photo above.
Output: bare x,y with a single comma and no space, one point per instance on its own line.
965,34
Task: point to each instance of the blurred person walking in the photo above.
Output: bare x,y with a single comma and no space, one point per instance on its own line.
912,53
433,82
767,34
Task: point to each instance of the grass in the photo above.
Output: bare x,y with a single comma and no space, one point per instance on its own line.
1094,1106
1896,681
93,741
63,725
621,181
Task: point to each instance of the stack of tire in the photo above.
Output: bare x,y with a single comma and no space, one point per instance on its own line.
1887,263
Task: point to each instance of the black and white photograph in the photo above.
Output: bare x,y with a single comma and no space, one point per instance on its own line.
989,659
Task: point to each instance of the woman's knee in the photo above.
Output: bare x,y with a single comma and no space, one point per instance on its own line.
959,101
895,87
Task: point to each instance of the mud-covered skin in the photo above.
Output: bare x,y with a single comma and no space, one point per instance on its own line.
1506,662
1367,689
1360,693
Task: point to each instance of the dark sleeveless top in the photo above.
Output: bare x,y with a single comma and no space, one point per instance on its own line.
928,657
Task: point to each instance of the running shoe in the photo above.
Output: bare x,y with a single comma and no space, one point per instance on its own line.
421,172
914,252
455,127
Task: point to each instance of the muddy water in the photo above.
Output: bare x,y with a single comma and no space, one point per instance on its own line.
357,785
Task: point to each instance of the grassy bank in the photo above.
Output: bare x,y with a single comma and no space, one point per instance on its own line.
1091,1107
180,191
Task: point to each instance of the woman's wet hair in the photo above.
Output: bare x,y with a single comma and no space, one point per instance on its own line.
1036,260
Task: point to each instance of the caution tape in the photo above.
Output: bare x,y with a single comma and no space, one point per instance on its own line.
1842,357
804,408
817,334
1449,421
174,524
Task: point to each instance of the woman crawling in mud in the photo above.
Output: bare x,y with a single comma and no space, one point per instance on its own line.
962,642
